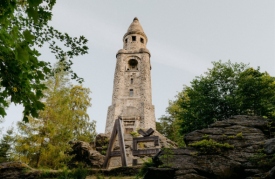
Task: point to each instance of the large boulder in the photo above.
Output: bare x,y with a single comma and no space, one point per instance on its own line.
243,150
85,153
101,143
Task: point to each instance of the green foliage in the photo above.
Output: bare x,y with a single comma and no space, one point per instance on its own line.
140,145
239,135
270,129
211,146
205,136
143,170
104,150
257,93
231,137
44,142
134,134
23,29
262,160
79,173
99,176
225,90
6,145
65,174
170,128
45,174
167,157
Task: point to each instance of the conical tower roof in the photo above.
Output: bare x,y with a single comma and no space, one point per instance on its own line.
135,28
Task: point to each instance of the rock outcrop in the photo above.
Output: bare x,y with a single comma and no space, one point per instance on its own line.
17,170
241,147
101,143
85,153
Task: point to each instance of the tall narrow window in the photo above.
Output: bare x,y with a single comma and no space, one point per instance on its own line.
141,40
132,80
126,40
133,38
131,92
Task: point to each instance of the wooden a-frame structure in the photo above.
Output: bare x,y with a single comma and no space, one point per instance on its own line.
117,130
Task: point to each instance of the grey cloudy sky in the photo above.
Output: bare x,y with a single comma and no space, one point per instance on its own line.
184,37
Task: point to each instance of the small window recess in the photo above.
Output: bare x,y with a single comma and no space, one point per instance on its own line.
132,80
131,92
126,40
141,40
134,38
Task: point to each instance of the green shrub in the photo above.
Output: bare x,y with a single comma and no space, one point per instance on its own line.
79,173
144,168
65,174
134,134
239,135
166,157
231,137
211,146
99,176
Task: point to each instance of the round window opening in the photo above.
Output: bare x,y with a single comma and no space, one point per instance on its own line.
133,63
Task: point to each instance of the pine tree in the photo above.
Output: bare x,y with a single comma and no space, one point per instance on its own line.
6,144
44,142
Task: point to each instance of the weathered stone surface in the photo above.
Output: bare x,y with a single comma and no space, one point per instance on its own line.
101,143
85,153
271,174
269,146
17,170
248,136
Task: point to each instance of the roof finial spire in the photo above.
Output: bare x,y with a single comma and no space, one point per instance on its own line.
135,19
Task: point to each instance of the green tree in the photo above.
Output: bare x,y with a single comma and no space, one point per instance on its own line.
257,93
44,142
170,128
6,146
225,90
23,29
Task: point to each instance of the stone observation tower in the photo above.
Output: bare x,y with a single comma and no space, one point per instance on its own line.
132,94
131,122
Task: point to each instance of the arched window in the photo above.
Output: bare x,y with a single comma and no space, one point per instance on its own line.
133,64
132,80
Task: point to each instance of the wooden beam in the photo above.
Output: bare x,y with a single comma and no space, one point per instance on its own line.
145,152
141,132
121,143
117,130
147,133
110,146
115,154
147,139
